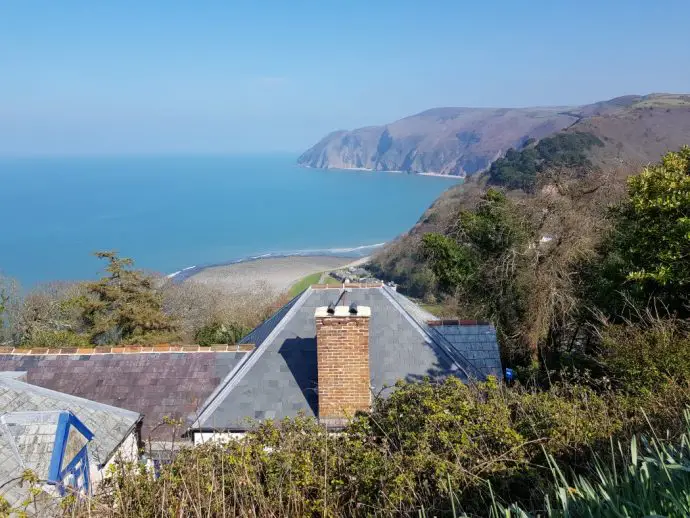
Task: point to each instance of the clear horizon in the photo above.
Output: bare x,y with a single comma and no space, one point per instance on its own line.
85,79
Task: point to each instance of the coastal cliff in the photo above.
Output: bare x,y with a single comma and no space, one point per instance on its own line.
449,141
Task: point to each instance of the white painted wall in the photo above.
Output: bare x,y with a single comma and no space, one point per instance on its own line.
127,452
204,437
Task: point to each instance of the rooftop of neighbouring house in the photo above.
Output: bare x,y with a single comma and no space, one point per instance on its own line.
279,379
165,384
29,418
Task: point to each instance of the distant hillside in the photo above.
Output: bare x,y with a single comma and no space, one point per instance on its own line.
452,141
610,143
625,138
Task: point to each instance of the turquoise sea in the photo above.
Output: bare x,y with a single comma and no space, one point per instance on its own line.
170,213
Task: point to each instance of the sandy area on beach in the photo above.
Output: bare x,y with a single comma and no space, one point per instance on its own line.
277,274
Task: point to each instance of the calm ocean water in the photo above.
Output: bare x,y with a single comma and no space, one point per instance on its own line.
169,213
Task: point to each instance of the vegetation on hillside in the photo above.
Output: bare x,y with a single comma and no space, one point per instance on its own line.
550,267
519,169
128,306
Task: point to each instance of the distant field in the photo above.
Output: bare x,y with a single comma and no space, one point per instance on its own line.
304,283
663,102
438,310
310,279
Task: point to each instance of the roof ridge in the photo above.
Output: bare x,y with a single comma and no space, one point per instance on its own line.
11,442
127,349
355,285
458,322
219,389
237,374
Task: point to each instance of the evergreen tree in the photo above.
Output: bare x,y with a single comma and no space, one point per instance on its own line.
122,305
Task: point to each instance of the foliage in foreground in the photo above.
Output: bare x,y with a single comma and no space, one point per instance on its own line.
429,445
651,478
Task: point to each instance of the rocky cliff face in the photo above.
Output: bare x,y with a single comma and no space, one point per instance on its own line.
452,141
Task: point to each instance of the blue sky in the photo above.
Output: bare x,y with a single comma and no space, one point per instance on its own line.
85,77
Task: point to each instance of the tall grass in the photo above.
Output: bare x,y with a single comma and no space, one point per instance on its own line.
649,478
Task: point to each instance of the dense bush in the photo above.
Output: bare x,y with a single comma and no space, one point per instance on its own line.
519,169
217,333
647,255
428,445
651,478
644,357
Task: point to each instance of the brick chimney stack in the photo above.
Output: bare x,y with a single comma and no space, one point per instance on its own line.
342,349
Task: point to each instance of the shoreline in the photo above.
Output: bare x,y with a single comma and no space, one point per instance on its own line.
357,253
369,170
269,275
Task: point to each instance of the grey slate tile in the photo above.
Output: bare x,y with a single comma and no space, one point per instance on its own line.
33,441
139,382
283,379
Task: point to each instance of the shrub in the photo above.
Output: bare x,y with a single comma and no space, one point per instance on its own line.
217,333
652,478
646,257
55,338
567,420
429,435
416,448
645,356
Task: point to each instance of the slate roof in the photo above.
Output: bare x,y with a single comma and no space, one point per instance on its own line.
28,422
280,378
475,341
156,385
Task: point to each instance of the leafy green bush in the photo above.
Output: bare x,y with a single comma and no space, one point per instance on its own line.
567,420
644,357
428,435
648,252
56,338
